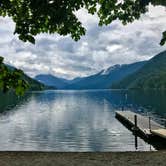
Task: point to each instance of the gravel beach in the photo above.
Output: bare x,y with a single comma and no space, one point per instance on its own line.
83,159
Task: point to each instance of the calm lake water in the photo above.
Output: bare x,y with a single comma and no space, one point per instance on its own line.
74,120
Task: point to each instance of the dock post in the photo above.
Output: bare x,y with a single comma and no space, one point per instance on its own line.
149,123
135,132
136,142
135,121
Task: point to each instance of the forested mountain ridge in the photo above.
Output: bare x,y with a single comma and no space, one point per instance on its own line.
50,80
101,80
151,76
104,78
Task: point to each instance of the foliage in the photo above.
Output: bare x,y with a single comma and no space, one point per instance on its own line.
49,16
163,39
11,79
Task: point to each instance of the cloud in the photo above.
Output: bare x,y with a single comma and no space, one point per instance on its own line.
100,48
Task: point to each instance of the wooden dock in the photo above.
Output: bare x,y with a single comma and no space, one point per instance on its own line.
144,125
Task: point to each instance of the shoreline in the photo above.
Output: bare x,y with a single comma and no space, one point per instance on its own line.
21,158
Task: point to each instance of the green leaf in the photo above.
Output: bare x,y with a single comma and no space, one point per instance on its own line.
1,59
163,40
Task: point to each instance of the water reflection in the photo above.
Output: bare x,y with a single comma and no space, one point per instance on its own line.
69,121
149,101
9,100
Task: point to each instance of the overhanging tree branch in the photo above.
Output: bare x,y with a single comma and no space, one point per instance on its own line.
57,16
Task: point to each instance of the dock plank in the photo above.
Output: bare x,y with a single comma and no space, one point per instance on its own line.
160,133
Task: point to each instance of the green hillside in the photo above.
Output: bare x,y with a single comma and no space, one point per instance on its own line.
34,85
151,76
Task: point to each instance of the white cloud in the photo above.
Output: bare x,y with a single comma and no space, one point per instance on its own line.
86,19
100,48
113,48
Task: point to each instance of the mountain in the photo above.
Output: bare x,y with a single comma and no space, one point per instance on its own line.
51,80
33,84
75,80
105,78
151,76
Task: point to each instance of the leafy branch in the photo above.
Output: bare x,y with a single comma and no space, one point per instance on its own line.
11,79
33,17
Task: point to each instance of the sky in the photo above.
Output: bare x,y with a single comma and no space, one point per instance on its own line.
99,49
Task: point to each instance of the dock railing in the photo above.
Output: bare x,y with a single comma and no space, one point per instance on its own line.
161,121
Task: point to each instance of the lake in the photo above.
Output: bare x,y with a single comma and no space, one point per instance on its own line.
75,120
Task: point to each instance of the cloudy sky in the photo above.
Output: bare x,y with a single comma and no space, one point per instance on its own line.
100,48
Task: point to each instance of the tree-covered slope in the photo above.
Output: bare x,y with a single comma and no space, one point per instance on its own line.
151,76
32,83
50,80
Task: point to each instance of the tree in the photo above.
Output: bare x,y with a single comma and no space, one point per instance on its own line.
11,79
38,16
57,16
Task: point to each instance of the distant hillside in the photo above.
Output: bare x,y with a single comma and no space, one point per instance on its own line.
105,78
33,84
51,80
151,76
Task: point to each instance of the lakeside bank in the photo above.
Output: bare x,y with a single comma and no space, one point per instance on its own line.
82,159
